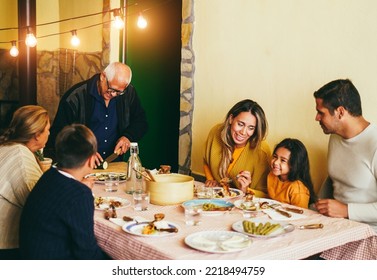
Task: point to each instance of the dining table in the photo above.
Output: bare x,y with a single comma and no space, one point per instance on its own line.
339,238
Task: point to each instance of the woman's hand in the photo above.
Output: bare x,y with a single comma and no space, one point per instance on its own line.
244,180
211,183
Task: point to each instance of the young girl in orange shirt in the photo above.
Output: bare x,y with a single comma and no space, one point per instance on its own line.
289,180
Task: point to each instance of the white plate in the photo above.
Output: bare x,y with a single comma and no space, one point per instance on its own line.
101,176
105,204
218,241
235,193
137,228
285,228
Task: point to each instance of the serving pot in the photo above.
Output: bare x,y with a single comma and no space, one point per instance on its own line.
169,189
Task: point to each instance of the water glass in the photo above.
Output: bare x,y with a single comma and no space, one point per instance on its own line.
141,200
112,182
193,215
202,191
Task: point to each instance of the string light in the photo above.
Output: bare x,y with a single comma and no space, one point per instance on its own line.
14,51
30,40
141,21
75,41
118,23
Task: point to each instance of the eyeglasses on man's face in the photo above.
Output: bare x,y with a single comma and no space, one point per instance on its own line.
113,90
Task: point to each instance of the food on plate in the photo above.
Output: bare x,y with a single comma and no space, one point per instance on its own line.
224,183
264,205
149,229
158,225
103,176
214,207
260,229
223,194
113,211
249,195
112,203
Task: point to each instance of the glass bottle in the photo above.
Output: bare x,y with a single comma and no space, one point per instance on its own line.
134,179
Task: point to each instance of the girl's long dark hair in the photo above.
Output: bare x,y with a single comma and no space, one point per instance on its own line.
299,164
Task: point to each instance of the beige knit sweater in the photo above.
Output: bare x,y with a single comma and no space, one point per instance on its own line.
19,172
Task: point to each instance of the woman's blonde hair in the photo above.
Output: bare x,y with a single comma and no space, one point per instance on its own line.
27,121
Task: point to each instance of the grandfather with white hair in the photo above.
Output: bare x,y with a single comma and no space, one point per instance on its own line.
108,104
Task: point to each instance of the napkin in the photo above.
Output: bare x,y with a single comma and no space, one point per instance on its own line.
204,243
161,224
235,242
279,217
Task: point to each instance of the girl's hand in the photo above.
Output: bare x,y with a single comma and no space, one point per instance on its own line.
244,180
211,183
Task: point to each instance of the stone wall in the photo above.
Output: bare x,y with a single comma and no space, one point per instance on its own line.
58,70
187,88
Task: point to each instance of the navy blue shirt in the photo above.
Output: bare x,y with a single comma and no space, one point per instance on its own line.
104,123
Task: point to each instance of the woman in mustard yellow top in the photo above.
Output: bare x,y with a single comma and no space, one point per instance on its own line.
289,180
236,149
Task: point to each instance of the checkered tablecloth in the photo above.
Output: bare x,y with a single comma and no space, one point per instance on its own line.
338,239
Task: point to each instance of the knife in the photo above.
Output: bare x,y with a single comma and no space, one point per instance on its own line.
113,156
283,213
294,210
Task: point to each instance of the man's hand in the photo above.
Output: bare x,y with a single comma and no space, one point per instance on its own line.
332,208
98,160
123,144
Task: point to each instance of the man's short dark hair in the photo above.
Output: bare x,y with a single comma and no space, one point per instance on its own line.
340,93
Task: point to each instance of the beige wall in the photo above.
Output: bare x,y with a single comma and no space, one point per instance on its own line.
278,53
54,10
8,19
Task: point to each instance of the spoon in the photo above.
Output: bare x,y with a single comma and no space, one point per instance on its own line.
150,175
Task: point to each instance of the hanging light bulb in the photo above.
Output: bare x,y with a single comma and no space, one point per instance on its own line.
141,21
14,51
118,23
30,40
75,41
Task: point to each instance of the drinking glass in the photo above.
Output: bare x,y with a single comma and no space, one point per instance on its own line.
141,200
112,182
202,191
193,215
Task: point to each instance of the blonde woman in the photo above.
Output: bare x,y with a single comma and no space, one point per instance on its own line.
236,149
20,171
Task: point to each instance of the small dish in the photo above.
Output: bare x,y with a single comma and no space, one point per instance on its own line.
223,206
